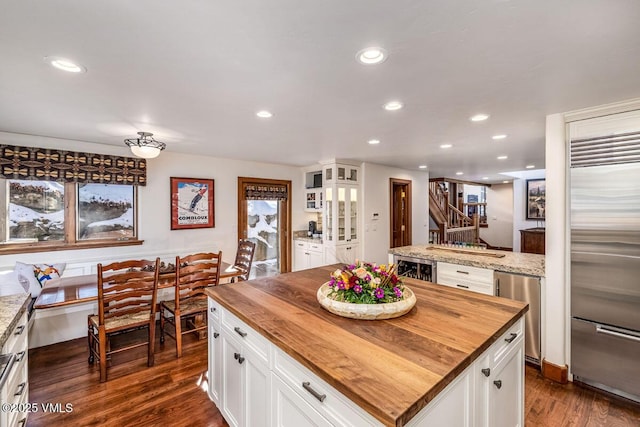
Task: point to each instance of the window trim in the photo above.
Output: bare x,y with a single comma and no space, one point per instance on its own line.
71,242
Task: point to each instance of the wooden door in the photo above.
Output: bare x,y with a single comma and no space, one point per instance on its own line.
400,197
280,220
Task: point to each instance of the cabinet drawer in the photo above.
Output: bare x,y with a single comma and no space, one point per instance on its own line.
244,334
17,341
480,275
301,244
316,247
466,277
17,385
329,402
506,342
214,310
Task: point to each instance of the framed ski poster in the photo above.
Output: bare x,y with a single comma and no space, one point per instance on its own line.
192,203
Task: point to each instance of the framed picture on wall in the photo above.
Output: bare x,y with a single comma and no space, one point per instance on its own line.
192,203
536,198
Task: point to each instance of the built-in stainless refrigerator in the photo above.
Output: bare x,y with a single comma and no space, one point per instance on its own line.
605,263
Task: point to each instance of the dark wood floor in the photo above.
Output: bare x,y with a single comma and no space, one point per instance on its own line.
171,393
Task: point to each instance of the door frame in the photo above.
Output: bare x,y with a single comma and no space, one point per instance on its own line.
284,220
393,182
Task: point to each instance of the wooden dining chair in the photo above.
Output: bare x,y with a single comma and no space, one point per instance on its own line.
193,274
244,258
127,293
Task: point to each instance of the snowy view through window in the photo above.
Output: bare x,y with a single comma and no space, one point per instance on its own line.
263,231
105,211
36,210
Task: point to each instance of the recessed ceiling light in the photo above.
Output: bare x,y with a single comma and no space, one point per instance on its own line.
264,114
459,173
374,141
499,136
485,177
505,182
64,64
422,166
372,55
446,146
393,105
479,117
502,157
530,166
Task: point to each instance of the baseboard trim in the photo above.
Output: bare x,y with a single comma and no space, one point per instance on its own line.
559,374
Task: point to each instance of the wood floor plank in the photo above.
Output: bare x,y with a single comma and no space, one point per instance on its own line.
171,393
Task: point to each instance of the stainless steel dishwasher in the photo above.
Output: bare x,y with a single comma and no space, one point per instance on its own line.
526,289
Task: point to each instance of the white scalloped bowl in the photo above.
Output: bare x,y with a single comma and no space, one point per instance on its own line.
366,311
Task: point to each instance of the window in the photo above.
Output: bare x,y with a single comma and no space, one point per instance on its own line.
47,215
105,211
35,211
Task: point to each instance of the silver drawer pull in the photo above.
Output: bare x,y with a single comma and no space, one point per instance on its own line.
216,334
511,338
463,286
602,330
307,386
20,356
462,272
213,309
239,358
240,332
498,383
486,371
21,387
19,330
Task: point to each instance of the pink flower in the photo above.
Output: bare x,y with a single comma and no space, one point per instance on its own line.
379,293
397,291
357,289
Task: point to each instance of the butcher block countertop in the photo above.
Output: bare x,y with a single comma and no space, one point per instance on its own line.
509,262
390,368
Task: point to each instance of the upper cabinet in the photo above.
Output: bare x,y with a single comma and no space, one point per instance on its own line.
341,174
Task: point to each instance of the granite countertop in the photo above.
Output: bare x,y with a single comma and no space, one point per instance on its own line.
508,262
411,358
309,239
11,308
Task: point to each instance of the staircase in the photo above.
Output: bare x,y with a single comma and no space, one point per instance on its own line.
453,224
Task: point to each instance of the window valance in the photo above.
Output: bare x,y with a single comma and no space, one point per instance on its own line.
265,192
44,164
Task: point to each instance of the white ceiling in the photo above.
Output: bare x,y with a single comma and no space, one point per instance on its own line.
194,72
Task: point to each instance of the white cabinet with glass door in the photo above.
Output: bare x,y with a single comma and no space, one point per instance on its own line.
340,174
341,221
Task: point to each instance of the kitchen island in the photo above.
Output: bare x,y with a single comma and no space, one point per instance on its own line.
276,356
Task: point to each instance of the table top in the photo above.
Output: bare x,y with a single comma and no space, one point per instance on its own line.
391,368
78,289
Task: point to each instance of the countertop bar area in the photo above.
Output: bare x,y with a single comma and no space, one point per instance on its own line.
509,262
411,358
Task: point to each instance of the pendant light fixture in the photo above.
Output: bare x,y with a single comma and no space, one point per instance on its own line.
145,145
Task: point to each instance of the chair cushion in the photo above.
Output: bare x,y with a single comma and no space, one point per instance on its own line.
187,306
124,321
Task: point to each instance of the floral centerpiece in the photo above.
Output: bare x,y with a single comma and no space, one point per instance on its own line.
366,291
366,283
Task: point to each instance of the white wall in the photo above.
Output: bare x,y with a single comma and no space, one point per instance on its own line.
154,202
520,221
499,216
376,199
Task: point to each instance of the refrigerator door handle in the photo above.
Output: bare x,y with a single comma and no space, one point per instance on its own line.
603,330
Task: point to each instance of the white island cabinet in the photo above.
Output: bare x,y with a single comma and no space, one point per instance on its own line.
255,383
